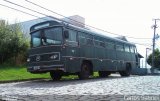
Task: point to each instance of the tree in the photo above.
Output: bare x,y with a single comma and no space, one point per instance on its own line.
12,42
156,59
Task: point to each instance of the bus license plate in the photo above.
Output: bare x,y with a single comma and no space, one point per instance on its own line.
36,67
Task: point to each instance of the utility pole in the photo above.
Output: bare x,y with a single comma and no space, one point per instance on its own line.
154,27
146,57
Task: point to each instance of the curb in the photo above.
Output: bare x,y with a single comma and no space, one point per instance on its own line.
13,81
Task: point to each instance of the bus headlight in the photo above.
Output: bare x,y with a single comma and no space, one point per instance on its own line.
28,59
54,57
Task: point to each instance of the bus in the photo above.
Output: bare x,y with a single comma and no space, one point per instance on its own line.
64,49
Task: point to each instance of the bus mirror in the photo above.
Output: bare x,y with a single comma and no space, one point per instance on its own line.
66,34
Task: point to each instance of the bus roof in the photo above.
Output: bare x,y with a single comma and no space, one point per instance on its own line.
85,30
50,23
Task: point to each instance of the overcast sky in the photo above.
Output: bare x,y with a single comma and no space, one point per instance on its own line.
132,18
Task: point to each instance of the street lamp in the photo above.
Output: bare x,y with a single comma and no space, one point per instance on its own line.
146,56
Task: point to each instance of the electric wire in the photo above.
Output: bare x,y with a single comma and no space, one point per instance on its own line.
38,12
78,21
65,17
22,11
43,18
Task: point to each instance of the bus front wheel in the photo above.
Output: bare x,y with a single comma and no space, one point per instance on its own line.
56,75
85,71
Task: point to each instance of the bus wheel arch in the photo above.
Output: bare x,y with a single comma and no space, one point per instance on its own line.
127,71
86,69
129,67
56,75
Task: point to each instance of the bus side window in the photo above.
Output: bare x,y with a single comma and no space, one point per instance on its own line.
119,47
110,45
82,38
102,44
89,39
72,39
132,49
99,42
135,49
96,41
126,48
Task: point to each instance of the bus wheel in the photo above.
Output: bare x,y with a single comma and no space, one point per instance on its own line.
85,71
104,74
56,75
127,72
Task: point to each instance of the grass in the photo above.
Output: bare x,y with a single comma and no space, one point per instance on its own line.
11,73
19,73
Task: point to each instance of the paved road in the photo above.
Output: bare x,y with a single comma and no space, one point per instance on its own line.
112,88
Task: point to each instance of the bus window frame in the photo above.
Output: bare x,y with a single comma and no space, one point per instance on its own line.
41,31
67,43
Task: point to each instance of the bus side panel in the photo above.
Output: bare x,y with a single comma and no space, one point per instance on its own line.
86,52
99,56
104,62
72,60
72,66
127,59
120,58
134,64
112,57
107,61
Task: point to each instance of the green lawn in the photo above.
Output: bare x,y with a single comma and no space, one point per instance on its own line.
18,73
8,73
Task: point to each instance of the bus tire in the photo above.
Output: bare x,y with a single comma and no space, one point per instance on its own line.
127,72
104,74
56,75
85,71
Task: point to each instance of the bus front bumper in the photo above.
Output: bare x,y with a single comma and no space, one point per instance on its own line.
43,69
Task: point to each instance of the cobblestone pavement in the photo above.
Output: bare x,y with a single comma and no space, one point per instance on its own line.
112,88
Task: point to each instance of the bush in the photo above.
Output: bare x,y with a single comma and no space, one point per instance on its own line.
13,43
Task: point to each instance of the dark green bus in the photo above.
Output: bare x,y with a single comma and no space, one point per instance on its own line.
64,49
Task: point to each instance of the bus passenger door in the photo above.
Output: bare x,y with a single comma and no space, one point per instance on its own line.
71,51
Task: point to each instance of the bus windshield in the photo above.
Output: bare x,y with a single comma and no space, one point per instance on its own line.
47,36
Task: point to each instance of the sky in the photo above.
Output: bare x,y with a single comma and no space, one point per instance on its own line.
132,18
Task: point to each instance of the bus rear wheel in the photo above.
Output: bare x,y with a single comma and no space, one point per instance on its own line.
104,74
56,75
127,72
85,71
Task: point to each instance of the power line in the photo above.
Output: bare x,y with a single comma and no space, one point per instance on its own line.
22,11
28,8
142,44
63,16
78,21
47,19
38,12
